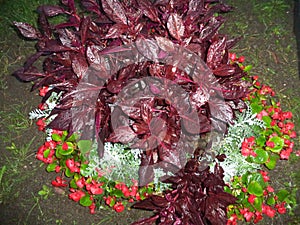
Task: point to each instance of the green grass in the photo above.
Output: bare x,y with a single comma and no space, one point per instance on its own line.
10,173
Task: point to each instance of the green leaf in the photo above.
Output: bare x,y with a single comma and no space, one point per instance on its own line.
255,188
56,137
65,152
51,167
68,172
72,138
261,156
282,195
84,146
73,184
42,192
258,203
279,143
271,201
272,161
261,140
256,108
248,68
267,120
85,200
46,153
117,193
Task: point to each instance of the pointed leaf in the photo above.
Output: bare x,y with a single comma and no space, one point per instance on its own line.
27,30
115,11
175,26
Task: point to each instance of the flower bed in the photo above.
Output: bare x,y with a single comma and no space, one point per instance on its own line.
129,88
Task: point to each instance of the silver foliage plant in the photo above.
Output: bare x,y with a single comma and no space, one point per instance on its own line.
235,164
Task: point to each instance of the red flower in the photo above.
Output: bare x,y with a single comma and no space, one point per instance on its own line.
41,124
285,154
57,169
268,210
65,146
92,208
119,207
258,217
270,189
232,220
251,198
59,182
70,163
265,175
241,59
80,183
50,144
43,91
77,195
94,188
280,208
248,216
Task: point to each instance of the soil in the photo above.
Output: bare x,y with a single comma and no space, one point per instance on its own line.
273,59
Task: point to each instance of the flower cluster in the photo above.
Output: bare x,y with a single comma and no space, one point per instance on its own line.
66,155
255,195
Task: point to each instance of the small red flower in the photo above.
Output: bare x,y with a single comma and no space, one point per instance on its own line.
59,182
92,208
43,91
65,146
270,189
76,195
70,163
241,59
251,198
80,183
119,207
248,216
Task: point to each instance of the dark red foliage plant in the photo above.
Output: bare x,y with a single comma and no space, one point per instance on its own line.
197,198
132,49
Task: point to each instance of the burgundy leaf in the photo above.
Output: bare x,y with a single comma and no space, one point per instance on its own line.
27,30
216,53
115,11
149,10
175,26
122,134
220,110
91,5
31,74
84,26
224,70
79,66
116,30
51,10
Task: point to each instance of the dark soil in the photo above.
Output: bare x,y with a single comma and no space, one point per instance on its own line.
274,59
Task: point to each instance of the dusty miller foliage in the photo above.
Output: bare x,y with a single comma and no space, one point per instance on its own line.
119,163
51,103
235,164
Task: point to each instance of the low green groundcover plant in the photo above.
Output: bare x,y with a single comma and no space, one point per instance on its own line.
111,153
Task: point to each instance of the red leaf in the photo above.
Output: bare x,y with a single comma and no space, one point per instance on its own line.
27,30
91,5
122,134
115,11
224,70
216,53
79,66
116,30
175,26
52,10
149,10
